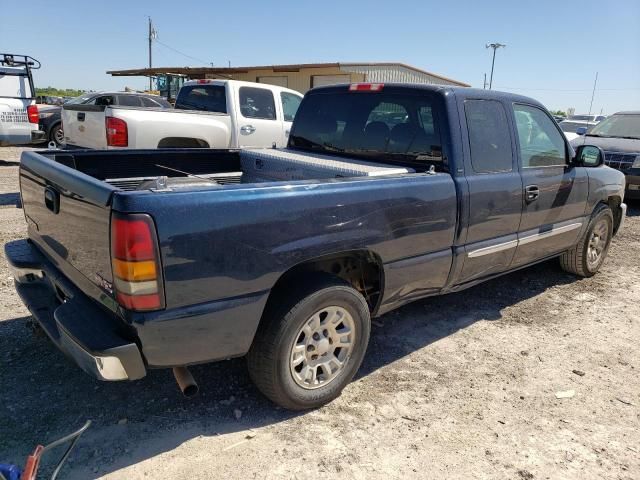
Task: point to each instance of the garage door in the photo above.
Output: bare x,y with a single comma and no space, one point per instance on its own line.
320,80
272,80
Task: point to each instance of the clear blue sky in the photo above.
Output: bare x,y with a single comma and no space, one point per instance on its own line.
554,47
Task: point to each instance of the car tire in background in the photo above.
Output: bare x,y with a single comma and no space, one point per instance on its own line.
310,342
587,256
56,134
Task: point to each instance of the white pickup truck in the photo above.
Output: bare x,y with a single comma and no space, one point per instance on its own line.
207,114
18,111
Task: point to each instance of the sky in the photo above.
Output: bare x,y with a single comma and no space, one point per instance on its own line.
554,47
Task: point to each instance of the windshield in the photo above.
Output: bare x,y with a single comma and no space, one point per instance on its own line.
81,99
378,126
627,125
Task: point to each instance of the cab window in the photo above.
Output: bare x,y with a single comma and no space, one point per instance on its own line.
257,103
541,144
290,104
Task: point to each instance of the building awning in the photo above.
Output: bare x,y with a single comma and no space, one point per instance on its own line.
403,72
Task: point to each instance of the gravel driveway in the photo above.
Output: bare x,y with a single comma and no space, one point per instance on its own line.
458,386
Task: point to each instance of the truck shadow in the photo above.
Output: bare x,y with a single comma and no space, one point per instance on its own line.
633,208
45,396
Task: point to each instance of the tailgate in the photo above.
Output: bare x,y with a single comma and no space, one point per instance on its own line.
84,126
68,214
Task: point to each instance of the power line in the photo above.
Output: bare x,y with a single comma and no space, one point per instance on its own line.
182,53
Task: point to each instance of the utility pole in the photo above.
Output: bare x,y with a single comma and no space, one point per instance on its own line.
593,94
484,85
152,36
495,46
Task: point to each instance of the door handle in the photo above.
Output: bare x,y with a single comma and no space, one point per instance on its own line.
247,129
531,193
81,116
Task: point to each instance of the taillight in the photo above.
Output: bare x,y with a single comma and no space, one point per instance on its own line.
203,81
366,87
135,262
32,113
117,134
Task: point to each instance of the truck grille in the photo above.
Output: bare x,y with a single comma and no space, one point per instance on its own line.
18,115
619,161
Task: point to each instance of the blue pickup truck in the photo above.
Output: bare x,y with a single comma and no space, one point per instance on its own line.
385,194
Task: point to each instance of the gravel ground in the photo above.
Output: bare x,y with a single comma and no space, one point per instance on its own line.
460,386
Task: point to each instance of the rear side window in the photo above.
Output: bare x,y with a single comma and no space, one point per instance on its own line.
489,138
257,103
290,104
129,101
208,98
155,102
106,100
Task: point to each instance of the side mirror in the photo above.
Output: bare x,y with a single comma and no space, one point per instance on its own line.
589,156
581,130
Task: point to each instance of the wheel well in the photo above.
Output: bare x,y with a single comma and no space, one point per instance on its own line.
614,204
182,142
361,268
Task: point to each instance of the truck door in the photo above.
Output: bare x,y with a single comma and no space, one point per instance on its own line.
290,103
258,125
495,189
555,194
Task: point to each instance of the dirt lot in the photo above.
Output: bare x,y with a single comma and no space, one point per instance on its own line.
460,386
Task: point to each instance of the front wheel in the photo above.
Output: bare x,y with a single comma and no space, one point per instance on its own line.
311,344
587,256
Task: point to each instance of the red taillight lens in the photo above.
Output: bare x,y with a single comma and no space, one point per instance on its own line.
366,87
117,134
135,262
32,113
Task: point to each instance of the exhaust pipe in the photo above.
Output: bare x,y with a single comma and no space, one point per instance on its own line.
185,380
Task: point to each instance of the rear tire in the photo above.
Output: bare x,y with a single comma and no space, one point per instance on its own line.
310,343
56,135
587,256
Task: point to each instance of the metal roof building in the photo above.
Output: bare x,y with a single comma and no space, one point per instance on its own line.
302,77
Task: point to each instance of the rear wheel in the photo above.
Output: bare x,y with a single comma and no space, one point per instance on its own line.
587,256
57,135
310,344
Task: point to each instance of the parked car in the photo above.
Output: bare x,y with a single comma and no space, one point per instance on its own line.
619,137
18,110
48,100
587,117
166,258
574,128
51,124
208,113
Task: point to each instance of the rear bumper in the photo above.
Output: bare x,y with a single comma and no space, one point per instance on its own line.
20,135
95,340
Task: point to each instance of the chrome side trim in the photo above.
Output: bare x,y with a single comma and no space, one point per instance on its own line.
481,252
550,233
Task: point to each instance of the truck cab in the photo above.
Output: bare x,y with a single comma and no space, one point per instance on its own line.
18,111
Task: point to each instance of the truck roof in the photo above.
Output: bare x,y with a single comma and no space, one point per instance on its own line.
464,92
224,81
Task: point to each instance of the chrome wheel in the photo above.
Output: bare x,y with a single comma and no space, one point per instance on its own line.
597,242
322,347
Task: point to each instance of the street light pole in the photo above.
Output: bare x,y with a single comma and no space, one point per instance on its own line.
495,46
